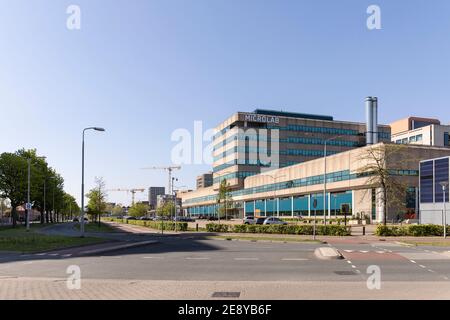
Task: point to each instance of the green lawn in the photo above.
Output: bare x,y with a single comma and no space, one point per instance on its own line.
436,243
19,240
93,227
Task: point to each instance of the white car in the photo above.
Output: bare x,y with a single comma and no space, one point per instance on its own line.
274,220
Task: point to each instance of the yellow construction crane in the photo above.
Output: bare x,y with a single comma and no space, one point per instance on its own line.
133,192
169,170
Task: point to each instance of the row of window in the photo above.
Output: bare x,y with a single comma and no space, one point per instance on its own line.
266,151
299,140
313,180
412,139
325,130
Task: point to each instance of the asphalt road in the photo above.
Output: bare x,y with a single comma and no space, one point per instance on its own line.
270,269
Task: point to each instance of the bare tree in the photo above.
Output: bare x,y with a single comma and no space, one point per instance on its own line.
380,164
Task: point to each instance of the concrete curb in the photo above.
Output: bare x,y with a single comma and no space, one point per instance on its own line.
118,247
327,253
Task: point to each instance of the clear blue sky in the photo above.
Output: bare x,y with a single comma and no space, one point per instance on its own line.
143,68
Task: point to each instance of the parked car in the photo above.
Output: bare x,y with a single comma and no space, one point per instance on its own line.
145,218
249,220
274,220
76,219
260,220
212,218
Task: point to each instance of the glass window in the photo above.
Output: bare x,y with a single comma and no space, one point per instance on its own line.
419,138
426,182
446,139
285,206
440,175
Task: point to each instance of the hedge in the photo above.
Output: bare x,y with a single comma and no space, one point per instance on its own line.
167,225
415,230
330,230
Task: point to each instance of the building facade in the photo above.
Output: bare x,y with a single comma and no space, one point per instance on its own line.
434,175
430,135
247,144
153,193
349,189
205,180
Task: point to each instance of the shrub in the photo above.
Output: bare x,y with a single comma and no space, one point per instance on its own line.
333,230
422,230
215,227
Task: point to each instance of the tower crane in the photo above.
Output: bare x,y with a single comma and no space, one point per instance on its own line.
133,192
169,170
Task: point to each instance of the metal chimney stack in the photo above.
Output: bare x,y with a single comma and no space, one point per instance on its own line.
375,120
369,120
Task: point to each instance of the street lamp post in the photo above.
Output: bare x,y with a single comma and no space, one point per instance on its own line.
82,178
325,176
444,185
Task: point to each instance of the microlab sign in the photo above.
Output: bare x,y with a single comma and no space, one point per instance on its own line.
253,117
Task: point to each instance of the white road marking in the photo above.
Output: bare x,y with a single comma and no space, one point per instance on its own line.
152,258
353,267
241,259
349,251
363,251
197,258
348,261
294,259
53,254
380,252
422,266
412,261
40,254
67,255
430,270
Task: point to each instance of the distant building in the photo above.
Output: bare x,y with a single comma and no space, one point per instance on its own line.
421,131
205,180
153,193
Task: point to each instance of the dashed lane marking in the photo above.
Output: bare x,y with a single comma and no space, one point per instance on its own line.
422,266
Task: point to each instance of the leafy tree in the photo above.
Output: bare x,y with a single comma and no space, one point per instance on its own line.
97,199
167,209
13,181
224,196
138,210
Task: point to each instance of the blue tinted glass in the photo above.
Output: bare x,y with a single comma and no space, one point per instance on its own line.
440,176
426,182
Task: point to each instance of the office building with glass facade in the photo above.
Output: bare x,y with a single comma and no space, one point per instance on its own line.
299,189
247,144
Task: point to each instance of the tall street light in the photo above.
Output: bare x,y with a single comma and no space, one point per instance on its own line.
28,205
444,185
82,178
325,175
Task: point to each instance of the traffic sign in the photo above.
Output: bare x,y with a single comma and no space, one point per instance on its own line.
28,206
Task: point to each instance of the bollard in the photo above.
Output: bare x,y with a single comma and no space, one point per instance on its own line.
364,230
196,227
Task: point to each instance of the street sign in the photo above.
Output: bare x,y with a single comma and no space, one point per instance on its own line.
28,206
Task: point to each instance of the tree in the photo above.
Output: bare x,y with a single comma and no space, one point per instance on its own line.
167,209
97,199
378,164
138,210
13,181
224,196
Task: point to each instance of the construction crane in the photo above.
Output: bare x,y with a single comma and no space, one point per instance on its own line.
133,192
169,170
